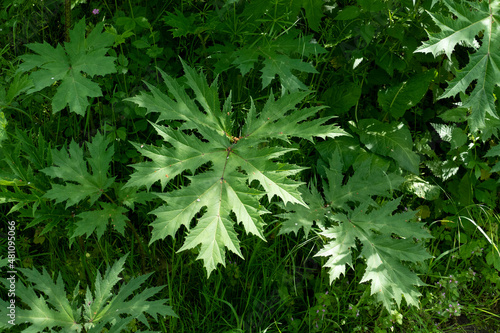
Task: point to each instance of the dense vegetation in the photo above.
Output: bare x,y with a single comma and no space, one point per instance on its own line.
249,166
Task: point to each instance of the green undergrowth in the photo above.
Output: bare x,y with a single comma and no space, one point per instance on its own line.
249,166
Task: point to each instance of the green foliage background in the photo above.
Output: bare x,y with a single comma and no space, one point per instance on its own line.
260,166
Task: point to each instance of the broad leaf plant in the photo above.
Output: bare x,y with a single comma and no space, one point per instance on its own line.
353,221
466,21
104,306
228,166
69,68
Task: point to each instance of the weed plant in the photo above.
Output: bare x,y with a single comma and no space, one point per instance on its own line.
249,166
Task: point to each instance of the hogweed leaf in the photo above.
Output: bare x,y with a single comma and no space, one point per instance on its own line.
339,248
220,161
40,314
361,186
182,26
387,239
70,166
97,220
470,19
390,279
300,217
189,153
100,308
74,92
460,30
73,64
278,55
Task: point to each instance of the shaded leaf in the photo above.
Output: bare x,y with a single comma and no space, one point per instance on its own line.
393,140
97,220
400,98
100,308
353,217
70,166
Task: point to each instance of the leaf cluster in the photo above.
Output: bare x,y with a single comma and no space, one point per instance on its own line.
467,20
352,219
101,308
260,35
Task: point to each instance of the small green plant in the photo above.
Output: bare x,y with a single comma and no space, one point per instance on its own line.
104,307
81,57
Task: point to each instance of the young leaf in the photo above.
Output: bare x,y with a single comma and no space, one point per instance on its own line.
277,59
97,220
470,19
53,311
299,216
71,167
101,308
223,161
81,57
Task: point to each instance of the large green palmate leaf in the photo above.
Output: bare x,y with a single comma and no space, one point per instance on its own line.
351,216
469,20
220,159
384,253
101,308
81,58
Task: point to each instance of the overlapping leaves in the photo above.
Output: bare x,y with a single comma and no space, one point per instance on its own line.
70,166
349,215
277,61
469,20
220,160
278,52
100,308
80,184
389,139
